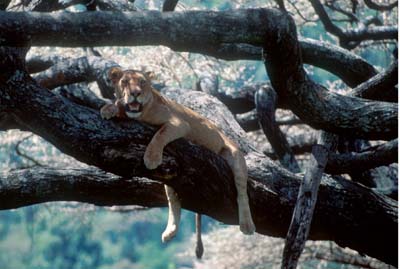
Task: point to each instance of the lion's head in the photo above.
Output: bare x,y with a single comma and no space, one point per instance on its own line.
133,88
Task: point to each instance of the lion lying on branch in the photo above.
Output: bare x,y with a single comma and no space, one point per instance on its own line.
137,99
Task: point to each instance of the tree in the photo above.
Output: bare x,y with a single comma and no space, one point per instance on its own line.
49,104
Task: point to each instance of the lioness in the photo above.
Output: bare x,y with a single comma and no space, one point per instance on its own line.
137,99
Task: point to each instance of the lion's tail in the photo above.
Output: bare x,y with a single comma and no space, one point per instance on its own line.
199,243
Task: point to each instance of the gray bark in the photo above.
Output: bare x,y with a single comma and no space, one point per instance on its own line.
381,7
303,212
369,158
242,41
314,104
345,213
53,5
380,87
67,71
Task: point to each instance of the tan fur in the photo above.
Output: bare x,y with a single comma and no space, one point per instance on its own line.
176,121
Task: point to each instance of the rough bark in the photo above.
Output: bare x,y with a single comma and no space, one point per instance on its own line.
249,121
303,212
381,7
314,104
53,5
37,185
348,66
178,30
369,158
243,41
380,87
67,71
346,212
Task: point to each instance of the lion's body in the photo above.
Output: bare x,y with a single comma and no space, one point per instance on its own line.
201,131
140,101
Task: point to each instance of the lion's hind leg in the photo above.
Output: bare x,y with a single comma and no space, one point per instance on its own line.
174,214
236,161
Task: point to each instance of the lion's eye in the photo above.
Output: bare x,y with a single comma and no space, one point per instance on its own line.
142,82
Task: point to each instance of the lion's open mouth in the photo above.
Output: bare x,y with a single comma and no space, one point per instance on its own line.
134,106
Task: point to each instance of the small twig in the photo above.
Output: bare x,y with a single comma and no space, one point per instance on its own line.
299,13
188,63
348,14
24,155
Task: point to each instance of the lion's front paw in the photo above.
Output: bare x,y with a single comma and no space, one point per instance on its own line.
108,111
152,159
245,220
247,226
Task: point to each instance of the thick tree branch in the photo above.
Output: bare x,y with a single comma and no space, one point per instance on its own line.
380,87
380,7
174,30
119,148
53,5
351,68
68,71
314,104
36,185
372,157
249,121
36,64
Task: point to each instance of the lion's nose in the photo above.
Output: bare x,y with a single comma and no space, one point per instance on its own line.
135,93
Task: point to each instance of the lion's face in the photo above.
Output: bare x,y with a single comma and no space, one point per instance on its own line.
134,89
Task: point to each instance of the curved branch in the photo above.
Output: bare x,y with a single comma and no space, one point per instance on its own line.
36,64
369,158
67,71
349,67
380,7
314,104
380,87
351,38
119,148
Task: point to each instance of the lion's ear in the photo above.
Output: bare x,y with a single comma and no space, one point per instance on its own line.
150,75
114,74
